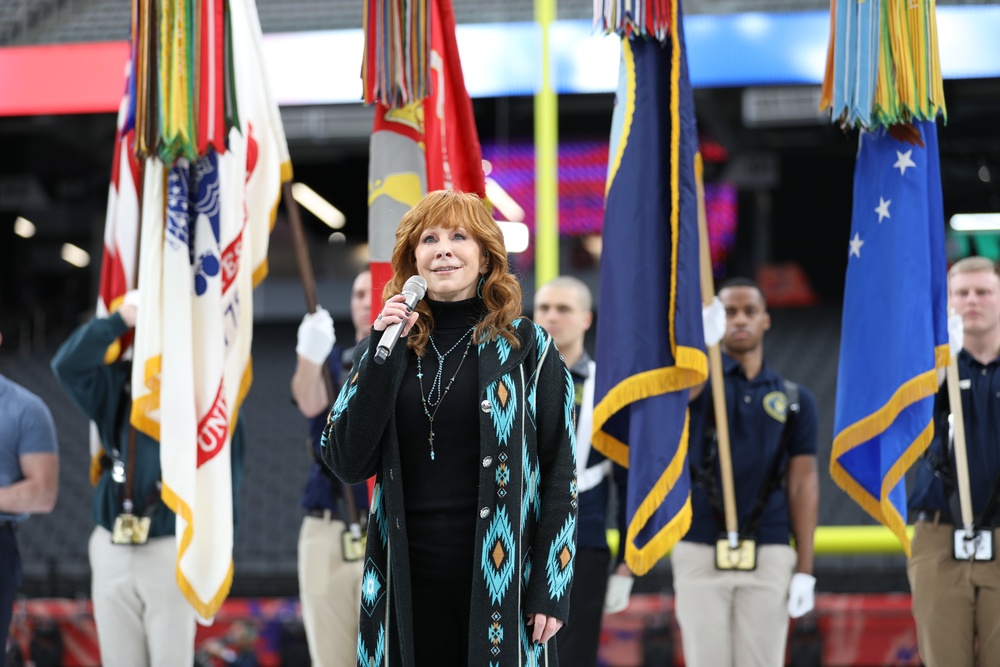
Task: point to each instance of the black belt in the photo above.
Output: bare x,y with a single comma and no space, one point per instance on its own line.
322,514
934,516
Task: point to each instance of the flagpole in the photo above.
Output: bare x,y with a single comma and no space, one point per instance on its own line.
961,456
715,368
308,279
546,158
302,260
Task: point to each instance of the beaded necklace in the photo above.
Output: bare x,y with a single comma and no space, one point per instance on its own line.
436,384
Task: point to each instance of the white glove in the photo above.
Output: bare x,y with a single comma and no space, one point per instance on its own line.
131,298
128,309
619,589
713,319
956,333
316,336
801,594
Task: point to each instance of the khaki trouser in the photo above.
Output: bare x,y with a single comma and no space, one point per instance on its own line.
142,618
953,600
728,618
330,593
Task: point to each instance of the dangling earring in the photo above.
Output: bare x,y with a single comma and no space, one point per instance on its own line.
479,287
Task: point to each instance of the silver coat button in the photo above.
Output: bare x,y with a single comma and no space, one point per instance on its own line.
489,459
390,473
397,522
486,406
483,513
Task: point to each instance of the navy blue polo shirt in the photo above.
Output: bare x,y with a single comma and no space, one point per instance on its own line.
756,410
323,490
592,508
980,388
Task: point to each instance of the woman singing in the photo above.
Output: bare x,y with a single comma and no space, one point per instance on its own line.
469,432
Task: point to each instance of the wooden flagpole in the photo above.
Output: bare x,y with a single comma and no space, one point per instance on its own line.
961,455
715,374
308,279
302,260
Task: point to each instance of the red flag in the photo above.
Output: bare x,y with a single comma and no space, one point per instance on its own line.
420,147
454,158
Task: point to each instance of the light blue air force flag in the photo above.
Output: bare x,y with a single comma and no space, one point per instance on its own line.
894,333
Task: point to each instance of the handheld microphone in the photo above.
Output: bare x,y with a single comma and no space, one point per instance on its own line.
413,290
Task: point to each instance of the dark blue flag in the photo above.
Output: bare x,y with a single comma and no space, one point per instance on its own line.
894,331
650,345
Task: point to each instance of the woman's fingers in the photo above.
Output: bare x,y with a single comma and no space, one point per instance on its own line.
552,626
393,312
544,627
410,321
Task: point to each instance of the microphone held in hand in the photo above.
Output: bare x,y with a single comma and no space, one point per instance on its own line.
413,290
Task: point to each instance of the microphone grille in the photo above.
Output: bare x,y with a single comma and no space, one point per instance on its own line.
416,285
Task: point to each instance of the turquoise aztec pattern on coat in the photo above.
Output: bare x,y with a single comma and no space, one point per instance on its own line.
529,487
367,660
499,555
377,512
346,394
372,587
559,568
503,397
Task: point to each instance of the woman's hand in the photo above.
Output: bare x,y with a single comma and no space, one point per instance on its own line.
545,627
395,311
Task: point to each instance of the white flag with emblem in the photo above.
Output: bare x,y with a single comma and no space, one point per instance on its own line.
219,211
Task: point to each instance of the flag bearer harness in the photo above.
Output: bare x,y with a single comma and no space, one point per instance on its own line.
745,556
128,528
974,543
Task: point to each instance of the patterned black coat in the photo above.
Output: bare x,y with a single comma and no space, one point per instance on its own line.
526,533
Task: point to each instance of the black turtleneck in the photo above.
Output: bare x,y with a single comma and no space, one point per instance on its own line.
441,495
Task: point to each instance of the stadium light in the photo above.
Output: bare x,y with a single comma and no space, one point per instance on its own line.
318,206
975,222
24,227
75,255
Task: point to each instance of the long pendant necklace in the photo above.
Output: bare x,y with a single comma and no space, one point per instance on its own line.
428,402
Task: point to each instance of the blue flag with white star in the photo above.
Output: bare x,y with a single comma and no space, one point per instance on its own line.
894,330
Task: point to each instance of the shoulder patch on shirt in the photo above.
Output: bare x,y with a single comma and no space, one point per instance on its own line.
776,405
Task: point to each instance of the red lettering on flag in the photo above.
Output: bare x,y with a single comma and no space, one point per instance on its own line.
213,430
231,262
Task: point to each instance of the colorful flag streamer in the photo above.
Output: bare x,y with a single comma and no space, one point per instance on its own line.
883,66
